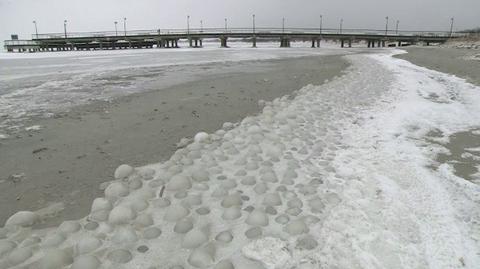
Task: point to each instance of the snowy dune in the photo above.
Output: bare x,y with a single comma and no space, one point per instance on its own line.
335,176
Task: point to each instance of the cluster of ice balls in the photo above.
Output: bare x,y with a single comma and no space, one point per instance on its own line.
257,179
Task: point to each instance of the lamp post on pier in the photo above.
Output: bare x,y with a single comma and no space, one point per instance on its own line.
226,25
386,26
321,23
116,29
253,16
125,26
36,29
201,26
283,25
341,25
188,24
65,27
396,28
452,20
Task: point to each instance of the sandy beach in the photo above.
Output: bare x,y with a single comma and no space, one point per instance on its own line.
62,166
464,63
286,163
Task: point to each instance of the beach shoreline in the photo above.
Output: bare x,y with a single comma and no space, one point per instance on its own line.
62,165
455,61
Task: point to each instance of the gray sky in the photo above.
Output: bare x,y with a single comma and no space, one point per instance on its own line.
16,16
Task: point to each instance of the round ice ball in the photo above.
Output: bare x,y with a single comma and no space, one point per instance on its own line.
272,199
234,199
19,255
179,182
22,218
183,226
86,262
257,218
201,137
152,233
176,212
120,256
225,237
123,171
87,244
69,227
56,258
231,213
202,257
121,215
125,235
296,227
194,239
116,190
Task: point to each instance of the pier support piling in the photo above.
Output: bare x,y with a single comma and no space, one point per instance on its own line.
223,42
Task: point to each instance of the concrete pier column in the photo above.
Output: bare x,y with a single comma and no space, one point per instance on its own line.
158,44
284,42
318,43
349,43
201,43
254,42
176,43
190,42
223,42
369,43
313,42
399,43
384,43
196,43
167,43
342,43
101,45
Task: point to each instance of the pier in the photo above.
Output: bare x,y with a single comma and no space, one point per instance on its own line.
170,38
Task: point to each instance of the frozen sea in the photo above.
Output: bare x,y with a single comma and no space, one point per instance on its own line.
333,176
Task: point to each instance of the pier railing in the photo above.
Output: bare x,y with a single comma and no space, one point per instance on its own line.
259,30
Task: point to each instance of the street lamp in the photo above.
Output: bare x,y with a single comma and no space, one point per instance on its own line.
283,25
188,24
36,29
201,26
125,27
65,27
321,22
116,30
452,20
396,28
226,21
253,16
386,26
341,25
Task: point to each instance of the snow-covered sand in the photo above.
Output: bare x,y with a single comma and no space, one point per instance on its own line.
334,176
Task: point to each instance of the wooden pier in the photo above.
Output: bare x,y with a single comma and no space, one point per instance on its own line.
194,38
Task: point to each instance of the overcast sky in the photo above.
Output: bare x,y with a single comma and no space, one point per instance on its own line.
16,16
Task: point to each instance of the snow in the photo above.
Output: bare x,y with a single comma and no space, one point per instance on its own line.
334,176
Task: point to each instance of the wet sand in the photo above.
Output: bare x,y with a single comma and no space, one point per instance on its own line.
64,164
453,61
462,146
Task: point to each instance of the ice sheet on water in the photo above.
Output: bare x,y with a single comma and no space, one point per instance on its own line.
335,177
